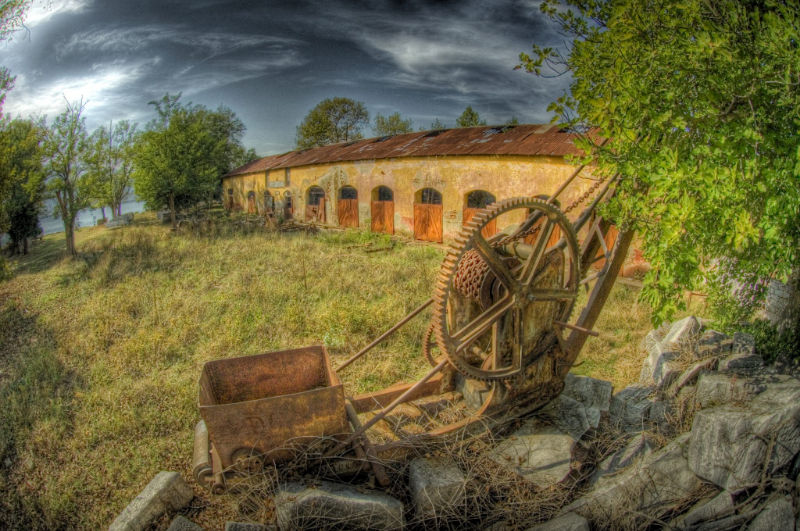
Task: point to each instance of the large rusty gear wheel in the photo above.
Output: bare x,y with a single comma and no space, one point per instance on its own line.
519,289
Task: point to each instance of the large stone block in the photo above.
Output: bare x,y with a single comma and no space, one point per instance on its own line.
743,343
630,408
655,484
713,343
637,447
714,389
437,486
658,354
166,492
567,415
718,507
594,394
681,333
539,453
181,523
777,514
731,444
690,375
242,526
568,522
325,504
740,361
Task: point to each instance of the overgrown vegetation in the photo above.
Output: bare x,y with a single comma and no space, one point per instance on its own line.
100,356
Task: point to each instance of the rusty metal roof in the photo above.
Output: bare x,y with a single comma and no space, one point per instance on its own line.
546,140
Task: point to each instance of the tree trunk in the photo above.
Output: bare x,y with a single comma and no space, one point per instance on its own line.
172,211
25,245
103,211
119,208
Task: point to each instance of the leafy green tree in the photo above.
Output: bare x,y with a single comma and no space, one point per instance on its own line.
436,125
512,121
391,125
21,165
333,120
469,118
65,147
702,101
181,156
110,165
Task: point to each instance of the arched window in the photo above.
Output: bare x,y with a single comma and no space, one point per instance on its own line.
348,192
269,201
479,199
382,193
429,196
315,193
288,206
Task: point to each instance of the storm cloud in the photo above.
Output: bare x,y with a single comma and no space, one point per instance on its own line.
272,61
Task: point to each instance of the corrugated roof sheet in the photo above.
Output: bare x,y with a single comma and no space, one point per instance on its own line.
497,140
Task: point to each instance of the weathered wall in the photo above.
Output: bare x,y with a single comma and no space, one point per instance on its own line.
453,176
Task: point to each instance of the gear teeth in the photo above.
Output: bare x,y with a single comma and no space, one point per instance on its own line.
445,281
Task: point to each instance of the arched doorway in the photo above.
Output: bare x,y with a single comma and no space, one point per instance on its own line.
288,205
269,202
428,215
315,205
251,202
382,210
347,207
476,201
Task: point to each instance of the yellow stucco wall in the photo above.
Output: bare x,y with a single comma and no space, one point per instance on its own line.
504,176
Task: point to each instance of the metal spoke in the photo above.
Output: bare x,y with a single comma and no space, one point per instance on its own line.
532,263
494,262
472,331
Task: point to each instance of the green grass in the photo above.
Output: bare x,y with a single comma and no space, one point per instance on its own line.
100,356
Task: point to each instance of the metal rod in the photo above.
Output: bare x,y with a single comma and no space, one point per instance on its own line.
369,450
570,178
386,334
379,416
577,329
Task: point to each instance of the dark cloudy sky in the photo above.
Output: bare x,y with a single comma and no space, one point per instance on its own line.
272,61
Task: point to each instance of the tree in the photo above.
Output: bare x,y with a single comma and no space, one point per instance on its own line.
391,125
332,120
469,118
702,101
110,165
182,155
512,121
65,149
21,165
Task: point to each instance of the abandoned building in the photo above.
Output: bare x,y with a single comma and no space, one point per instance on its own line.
426,184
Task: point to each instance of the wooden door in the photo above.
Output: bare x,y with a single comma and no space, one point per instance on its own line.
428,222
316,213
383,217
348,213
251,204
489,230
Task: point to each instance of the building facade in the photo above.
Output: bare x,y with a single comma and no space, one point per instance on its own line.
425,184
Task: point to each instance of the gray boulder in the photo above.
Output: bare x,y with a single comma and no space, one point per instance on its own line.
119,222
690,375
716,508
658,354
539,453
241,526
715,389
621,459
166,492
594,394
777,514
437,486
731,444
713,343
740,361
181,523
325,504
630,408
567,415
657,483
681,333
743,343
568,522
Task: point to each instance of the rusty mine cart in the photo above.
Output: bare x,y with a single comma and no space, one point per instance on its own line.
505,338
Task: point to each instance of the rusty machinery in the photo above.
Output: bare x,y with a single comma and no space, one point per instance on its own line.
501,309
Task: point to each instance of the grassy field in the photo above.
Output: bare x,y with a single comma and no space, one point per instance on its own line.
100,356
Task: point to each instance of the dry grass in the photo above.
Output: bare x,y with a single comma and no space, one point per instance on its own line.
99,357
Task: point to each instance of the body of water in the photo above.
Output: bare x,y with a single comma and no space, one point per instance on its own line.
86,218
